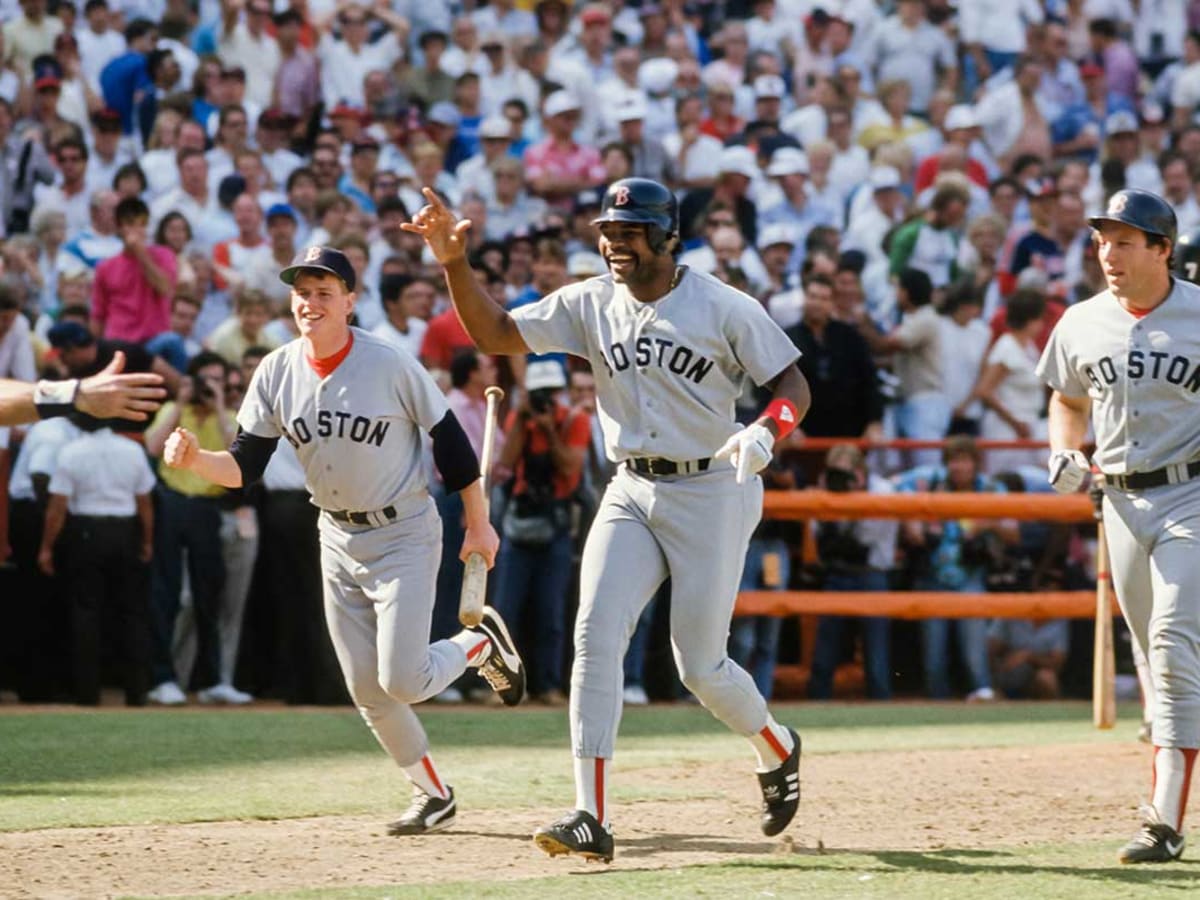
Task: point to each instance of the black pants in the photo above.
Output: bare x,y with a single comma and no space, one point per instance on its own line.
37,612
107,585
192,524
307,670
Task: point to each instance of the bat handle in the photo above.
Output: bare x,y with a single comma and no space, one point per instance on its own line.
474,591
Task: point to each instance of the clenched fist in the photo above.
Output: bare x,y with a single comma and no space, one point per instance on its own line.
749,450
181,449
1068,469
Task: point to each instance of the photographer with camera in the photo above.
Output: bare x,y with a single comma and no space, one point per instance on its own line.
855,556
954,556
545,444
188,518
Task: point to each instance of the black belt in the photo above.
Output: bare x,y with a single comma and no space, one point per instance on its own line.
379,517
1141,481
656,465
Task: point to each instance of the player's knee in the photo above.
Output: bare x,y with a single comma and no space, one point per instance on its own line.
701,680
406,684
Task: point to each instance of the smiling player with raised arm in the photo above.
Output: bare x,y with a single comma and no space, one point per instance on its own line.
353,406
670,348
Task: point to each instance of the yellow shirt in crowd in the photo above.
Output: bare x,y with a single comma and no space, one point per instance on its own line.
208,432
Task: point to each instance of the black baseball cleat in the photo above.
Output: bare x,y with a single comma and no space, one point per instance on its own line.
1157,842
577,832
503,669
781,791
427,813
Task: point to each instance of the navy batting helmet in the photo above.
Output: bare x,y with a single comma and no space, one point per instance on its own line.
1143,210
1187,256
645,201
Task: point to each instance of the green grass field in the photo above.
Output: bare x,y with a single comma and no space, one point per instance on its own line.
71,769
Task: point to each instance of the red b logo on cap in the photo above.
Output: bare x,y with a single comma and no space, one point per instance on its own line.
621,197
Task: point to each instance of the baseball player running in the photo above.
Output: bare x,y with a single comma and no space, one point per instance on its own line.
353,406
1130,359
105,395
670,348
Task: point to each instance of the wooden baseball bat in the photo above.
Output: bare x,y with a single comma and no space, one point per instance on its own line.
474,584
1104,688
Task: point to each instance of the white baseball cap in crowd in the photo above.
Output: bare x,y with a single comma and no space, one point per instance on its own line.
769,86
737,160
776,233
1120,122
961,117
631,110
884,178
560,102
495,127
787,161
544,374
657,76
585,265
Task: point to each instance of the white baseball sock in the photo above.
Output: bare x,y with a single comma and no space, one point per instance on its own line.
475,645
1172,775
424,776
591,786
772,745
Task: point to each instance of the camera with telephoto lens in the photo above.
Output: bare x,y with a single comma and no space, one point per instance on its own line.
840,481
202,391
541,400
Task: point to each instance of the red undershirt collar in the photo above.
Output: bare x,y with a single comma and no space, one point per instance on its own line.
324,367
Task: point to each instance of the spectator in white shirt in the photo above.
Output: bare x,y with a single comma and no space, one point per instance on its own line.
910,48
248,44
99,43
346,61
16,348
407,302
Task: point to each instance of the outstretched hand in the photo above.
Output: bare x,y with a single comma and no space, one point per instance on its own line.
443,232
113,394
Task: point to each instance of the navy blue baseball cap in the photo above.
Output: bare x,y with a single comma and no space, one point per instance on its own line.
321,259
67,335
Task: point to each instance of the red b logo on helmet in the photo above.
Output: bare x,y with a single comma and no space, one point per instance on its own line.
621,197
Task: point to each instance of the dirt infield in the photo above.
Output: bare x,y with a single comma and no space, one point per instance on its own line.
912,800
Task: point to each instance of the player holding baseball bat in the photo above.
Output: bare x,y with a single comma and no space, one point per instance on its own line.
354,407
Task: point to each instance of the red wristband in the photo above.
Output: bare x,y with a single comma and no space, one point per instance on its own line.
784,414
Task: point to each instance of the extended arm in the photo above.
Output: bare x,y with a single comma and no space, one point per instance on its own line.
106,395
490,326
1068,421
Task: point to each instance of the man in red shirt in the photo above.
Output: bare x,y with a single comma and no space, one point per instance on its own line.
131,296
558,168
235,258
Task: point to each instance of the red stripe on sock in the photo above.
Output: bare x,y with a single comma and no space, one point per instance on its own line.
600,790
432,773
769,736
477,649
1189,760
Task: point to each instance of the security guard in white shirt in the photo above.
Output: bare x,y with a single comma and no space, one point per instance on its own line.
34,627
100,505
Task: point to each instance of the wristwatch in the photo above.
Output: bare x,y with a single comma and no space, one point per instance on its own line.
55,398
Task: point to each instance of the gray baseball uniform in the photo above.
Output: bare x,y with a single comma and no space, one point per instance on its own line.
357,432
667,375
1143,377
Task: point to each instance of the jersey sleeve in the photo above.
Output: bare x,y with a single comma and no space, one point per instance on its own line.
1055,366
553,324
257,413
420,397
1006,352
762,348
144,479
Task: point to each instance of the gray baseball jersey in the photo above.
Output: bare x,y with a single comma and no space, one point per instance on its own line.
668,372
1142,375
357,435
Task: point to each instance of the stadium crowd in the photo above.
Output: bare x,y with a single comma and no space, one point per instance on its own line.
904,186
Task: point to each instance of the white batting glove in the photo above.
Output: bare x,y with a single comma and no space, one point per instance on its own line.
1068,469
749,450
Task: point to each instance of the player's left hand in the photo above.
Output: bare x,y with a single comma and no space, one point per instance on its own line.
481,539
749,450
